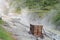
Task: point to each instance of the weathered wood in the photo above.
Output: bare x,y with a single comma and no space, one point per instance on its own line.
36,30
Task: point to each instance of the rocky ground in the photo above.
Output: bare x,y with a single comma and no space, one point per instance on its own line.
20,31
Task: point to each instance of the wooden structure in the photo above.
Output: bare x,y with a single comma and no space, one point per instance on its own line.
36,30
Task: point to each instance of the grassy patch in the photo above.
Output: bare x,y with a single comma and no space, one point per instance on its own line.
1,21
4,35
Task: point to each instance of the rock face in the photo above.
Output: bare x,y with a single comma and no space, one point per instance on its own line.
36,30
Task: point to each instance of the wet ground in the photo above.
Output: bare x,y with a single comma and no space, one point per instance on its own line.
20,31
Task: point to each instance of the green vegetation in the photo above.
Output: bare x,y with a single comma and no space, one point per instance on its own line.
4,35
16,5
1,21
33,4
40,4
56,19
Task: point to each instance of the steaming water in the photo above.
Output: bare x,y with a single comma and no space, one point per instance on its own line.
20,23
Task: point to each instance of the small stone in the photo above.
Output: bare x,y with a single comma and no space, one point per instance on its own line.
0,39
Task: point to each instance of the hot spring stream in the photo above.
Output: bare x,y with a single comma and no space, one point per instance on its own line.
19,24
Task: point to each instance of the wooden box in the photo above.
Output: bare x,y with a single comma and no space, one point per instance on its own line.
36,30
